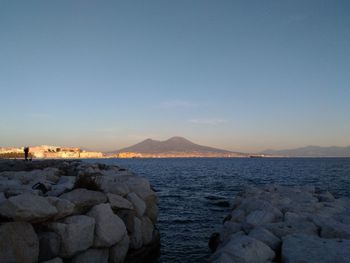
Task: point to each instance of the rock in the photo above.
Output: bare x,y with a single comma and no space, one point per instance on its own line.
2,198
266,237
238,215
64,184
229,228
118,202
243,249
260,217
128,218
92,255
136,234
18,243
138,203
63,206
109,229
282,229
118,252
152,211
146,230
326,197
27,207
54,260
110,186
214,242
49,243
313,249
253,203
331,228
84,199
76,233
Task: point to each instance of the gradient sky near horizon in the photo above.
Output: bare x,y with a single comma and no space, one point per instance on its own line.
239,75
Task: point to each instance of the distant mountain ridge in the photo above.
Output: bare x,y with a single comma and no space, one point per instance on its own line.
172,145
312,151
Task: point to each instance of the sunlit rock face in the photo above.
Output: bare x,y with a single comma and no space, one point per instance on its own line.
71,211
284,224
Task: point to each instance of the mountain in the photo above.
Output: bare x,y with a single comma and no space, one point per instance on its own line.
312,151
175,146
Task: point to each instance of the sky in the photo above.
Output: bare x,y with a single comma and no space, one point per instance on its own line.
238,75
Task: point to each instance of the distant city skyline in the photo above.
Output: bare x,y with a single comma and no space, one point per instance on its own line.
237,75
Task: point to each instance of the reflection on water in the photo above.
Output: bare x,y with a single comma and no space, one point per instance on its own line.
194,192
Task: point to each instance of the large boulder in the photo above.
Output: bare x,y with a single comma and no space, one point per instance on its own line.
243,249
266,237
109,229
63,206
76,233
92,255
330,228
313,249
282,229
18,243
146,230
27,207
118,252
260,217
138,203
136,234
83,199
118,202
50,244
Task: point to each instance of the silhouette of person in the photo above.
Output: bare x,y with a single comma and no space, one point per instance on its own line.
26,152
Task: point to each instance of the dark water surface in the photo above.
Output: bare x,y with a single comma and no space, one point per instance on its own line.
193,192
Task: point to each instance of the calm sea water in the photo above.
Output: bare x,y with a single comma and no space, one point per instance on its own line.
193,192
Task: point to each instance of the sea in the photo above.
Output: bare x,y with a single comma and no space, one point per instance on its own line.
195,193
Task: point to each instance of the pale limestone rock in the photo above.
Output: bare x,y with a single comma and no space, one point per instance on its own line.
229,228
118,202
146,230
18,243
260,217
83,199
313,249
118,252
54,260
138,203
152,211
50,244
282,229
136,234
243,249
27,207
92,255
266,237
109,229
238,215
76,233
63,206
331,228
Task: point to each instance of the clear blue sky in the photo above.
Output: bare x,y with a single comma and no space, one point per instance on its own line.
240,75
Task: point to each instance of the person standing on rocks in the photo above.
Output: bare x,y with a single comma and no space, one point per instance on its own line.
26,152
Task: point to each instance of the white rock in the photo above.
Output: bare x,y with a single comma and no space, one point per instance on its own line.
266,237
118,202
18,243
152,211
146,230
260,217
118,252
136,234
76,233
92,255
238,215
50,244
27,207
54,260
63,206
229,228
138,203
83,199
282,229
312,249
243,249
331,228
110,229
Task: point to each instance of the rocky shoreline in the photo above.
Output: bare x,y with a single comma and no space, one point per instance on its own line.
72,211
284,224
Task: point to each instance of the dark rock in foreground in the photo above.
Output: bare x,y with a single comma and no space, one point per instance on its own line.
284,224
48,215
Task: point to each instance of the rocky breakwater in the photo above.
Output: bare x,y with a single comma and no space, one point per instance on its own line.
284,224
72,211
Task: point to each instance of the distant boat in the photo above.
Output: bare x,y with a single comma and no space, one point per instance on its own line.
257,156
